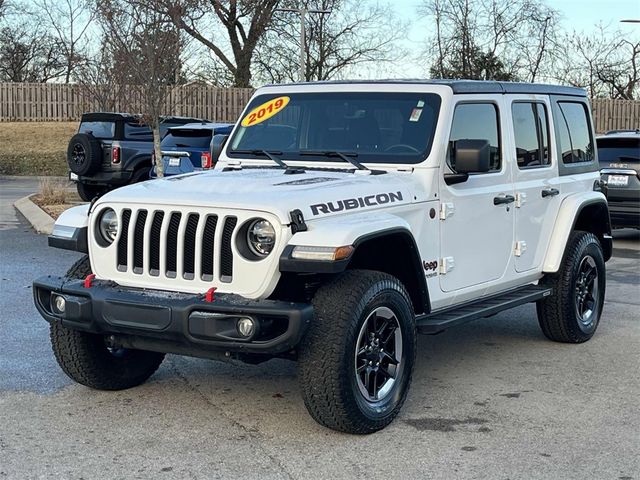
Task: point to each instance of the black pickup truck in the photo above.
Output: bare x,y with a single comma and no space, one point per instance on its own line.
111,150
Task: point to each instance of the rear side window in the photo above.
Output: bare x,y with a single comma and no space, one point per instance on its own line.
576,143
531,131
135,131
200,138
476,121
102,130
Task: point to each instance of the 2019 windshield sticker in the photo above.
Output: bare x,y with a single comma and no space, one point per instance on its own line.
264,111
359,202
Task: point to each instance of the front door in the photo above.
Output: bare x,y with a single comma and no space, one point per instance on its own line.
477,215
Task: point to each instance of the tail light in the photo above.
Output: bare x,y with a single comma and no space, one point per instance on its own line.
205,160
115,154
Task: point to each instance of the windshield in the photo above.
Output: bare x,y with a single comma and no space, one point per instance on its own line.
372,126
200,138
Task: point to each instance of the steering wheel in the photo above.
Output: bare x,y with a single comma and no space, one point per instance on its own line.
405,146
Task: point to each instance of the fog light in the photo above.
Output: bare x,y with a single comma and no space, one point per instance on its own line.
59,303
246,326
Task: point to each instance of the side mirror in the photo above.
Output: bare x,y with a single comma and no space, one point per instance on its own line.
217,145
472,156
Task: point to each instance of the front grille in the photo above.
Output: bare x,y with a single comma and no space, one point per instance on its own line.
176,245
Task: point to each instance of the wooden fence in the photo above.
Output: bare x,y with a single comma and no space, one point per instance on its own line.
21,102
610,114
43,102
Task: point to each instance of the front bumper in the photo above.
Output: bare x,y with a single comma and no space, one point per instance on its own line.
172,322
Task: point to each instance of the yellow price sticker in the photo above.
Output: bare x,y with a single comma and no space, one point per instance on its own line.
264,111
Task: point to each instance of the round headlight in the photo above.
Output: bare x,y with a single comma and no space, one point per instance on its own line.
108,225
261,237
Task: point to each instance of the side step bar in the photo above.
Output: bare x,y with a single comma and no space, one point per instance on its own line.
439,321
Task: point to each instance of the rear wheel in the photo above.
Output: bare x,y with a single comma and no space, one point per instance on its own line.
88,192
140,175
88,358
357,358
572,313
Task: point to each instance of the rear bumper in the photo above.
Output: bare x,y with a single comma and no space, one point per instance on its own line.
107,178
624,213
172,322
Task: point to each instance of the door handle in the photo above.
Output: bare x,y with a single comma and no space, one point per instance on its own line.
503,199
550,192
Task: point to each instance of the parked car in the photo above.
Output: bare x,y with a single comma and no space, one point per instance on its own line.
111,150
341,220
191,147
619,156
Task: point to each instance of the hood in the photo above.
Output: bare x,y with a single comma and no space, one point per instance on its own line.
317,194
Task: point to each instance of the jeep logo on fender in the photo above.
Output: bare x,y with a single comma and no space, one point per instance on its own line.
351,203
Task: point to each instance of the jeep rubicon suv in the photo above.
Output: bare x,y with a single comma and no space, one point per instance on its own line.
111,150
341,220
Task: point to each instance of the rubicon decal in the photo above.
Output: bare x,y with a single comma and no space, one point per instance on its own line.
359,202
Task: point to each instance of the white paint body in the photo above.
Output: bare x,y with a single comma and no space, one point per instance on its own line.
476,236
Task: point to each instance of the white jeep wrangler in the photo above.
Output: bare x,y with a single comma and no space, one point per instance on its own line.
341,220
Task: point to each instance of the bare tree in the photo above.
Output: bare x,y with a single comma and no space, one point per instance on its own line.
490,39
146,45
69,21
100,81
605,62
27,54
238,27
352,35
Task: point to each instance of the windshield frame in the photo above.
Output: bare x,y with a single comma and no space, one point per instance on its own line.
433,99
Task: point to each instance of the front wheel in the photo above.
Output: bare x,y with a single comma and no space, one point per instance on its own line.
88,359
357,358
572,313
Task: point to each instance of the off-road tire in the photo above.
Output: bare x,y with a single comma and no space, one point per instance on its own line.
140,175
558,314
88,192
84,154
327,354
85,358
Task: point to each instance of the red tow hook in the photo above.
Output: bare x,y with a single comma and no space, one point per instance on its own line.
210,295
88,281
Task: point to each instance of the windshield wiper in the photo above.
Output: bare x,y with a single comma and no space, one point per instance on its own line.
346,156
273,157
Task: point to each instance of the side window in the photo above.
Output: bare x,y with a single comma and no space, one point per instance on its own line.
135,131
476,121
531,131
576,143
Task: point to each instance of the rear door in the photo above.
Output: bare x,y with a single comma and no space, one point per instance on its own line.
535,175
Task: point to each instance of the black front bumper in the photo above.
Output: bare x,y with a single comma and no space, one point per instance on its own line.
172,322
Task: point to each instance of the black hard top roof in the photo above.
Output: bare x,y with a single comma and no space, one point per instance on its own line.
473,86
134,117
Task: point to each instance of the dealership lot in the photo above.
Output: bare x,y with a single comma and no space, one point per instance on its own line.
493,399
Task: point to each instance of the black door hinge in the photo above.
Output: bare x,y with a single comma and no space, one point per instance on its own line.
297,221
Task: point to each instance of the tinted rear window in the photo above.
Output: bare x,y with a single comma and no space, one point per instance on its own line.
618,150
98,129
200,138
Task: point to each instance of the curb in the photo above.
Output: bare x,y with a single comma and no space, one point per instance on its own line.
38,218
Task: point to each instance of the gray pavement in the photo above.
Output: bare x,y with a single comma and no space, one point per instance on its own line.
492,400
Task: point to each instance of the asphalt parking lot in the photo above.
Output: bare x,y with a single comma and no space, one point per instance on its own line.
493,399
